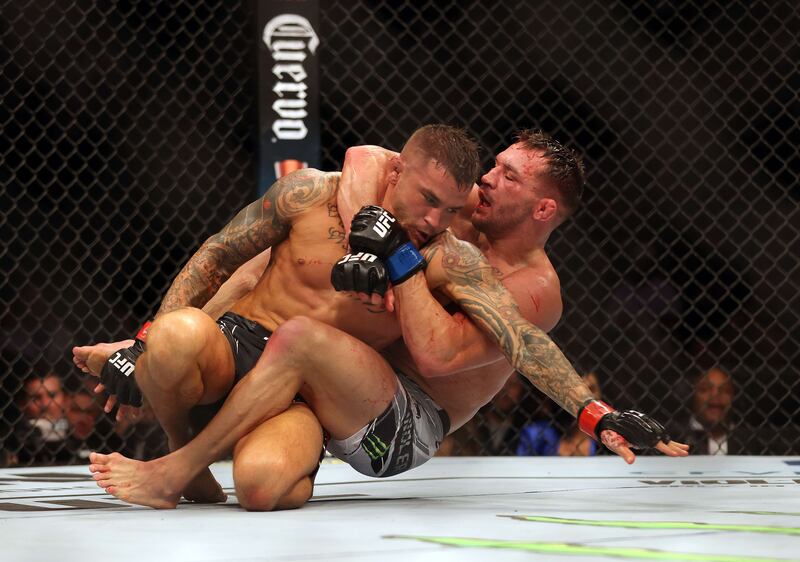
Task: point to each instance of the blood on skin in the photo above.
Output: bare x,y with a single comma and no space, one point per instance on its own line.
535,302
267,205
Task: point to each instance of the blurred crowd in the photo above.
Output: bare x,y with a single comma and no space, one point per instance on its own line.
50,425
522,421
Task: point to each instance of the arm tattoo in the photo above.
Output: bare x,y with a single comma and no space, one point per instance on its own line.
261,225
474,285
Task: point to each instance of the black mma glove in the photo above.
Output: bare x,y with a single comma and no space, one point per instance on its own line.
361,272
376,231
640,430
118,374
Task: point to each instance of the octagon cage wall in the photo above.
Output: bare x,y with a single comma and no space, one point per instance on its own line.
129,135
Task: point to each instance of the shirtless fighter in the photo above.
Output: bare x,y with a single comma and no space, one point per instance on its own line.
402,416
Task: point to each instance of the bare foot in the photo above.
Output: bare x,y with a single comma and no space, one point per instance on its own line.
91,358
204,489
142,483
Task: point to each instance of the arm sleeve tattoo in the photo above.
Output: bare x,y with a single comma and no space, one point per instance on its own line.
261,225
473,284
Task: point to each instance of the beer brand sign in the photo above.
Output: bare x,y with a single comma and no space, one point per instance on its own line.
288,88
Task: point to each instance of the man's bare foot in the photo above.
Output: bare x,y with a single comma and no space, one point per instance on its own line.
91,358
143,483
204,489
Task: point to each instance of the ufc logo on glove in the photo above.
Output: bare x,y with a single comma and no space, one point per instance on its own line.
125,366
360,256
383,224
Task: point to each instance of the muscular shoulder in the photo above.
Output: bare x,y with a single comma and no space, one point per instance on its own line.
302,190
453,260
537,292
535,289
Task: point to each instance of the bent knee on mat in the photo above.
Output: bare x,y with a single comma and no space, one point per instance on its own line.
264,487
268,498
255,497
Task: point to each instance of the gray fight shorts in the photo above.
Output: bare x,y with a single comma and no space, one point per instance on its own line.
403,437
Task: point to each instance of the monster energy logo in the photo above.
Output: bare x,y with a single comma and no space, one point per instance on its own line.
374,446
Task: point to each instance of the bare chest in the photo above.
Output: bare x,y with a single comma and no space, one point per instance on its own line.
314,245
298,282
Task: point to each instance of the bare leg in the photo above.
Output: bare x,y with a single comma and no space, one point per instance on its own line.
271,467
272,464
187,362
346,383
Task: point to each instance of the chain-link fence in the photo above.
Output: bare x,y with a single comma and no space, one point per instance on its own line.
128,137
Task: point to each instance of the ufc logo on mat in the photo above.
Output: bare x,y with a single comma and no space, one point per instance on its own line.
383,224
360,256
125,366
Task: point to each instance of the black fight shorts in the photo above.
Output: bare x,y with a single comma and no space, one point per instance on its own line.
247,339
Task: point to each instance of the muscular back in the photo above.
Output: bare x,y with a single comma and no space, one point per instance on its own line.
297,279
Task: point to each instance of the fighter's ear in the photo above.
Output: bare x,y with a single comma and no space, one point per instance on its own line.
545,209
396,165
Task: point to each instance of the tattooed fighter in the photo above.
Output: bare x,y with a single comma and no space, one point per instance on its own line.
384,421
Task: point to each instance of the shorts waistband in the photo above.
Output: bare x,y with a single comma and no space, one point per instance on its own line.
251,325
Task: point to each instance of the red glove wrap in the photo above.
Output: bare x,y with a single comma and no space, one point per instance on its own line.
590,414
142,334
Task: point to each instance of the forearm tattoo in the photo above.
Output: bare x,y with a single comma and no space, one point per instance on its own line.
474,285
261,225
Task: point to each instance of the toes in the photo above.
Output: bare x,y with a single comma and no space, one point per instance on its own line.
98,458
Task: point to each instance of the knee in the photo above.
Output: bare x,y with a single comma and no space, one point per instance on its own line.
177,330
297,496
175,337
297,334
261,484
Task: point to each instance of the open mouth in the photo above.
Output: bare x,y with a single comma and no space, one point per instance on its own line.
483,202
419,237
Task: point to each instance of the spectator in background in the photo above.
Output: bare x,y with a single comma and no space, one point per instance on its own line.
9,442
92,430
710,430
58,427
544,438
137,437
45,427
